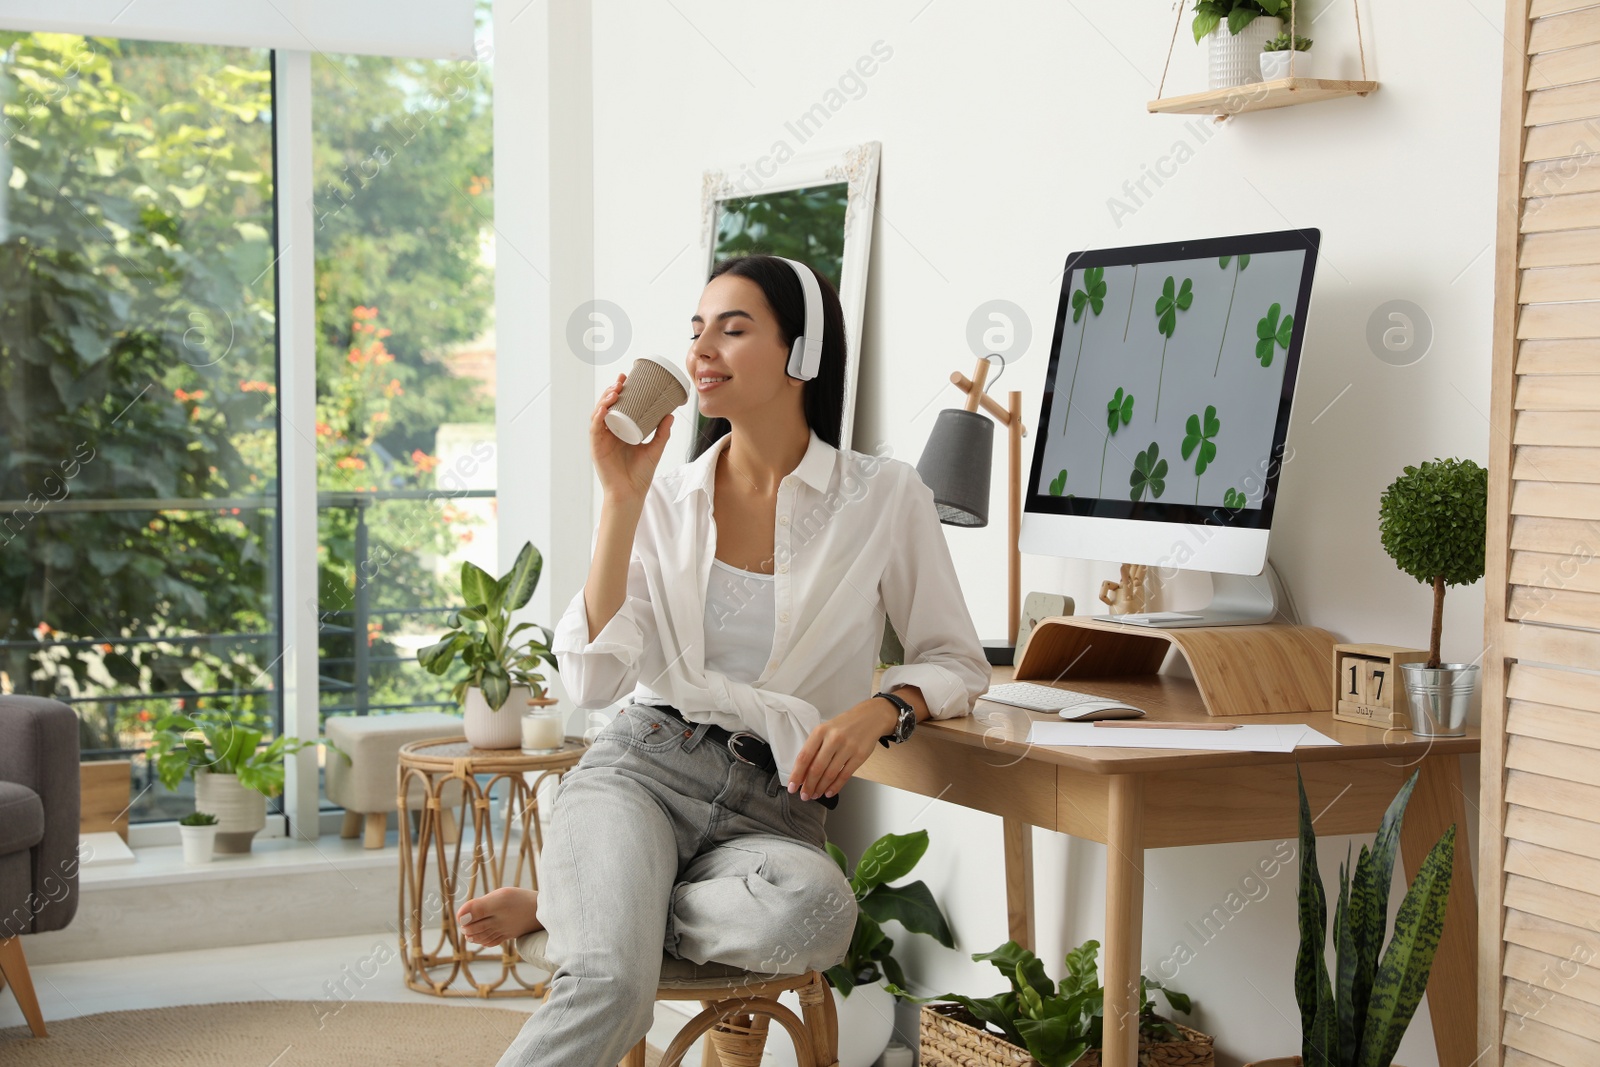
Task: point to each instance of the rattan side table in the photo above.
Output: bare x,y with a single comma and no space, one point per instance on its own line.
435,878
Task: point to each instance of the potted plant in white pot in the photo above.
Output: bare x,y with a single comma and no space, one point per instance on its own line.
500,669
1278,59
234,773
198,829
1434,521
1237,30
864,1006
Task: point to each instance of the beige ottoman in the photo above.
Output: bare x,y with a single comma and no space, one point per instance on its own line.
366,783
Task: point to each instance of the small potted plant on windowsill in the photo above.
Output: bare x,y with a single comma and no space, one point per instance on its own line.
500,669
1278,59
864,1005
233,774
198,830
1433,520
1237,29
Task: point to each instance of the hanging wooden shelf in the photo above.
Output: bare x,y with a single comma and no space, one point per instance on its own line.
1260,96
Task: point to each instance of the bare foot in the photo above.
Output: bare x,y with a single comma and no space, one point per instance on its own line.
499,916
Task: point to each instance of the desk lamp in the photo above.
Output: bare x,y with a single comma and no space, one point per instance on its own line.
955,464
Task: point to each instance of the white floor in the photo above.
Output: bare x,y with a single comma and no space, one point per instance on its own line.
324,970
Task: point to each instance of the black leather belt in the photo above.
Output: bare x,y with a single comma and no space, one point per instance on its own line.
744,746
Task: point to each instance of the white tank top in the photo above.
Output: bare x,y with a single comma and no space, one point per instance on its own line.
739,621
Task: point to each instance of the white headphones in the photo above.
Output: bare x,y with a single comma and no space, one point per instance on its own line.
805,358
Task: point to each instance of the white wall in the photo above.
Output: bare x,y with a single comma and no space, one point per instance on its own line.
1006,129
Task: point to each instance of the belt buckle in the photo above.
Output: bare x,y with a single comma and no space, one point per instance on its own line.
733,746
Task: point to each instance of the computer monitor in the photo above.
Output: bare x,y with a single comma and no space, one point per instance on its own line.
1161,435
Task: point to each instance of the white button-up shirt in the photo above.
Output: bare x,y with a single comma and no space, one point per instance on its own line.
857,536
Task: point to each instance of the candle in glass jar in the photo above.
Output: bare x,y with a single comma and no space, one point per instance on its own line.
541,731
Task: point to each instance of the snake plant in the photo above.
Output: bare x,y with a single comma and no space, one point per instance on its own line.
1356,1018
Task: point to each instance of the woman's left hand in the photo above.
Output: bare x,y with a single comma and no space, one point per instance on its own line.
837,747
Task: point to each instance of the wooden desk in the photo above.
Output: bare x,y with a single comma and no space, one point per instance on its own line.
1134,799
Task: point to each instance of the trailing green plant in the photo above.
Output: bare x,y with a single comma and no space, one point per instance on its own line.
1280,43
1356,1018
1208,14
910,904
198,818
220,745
1433,521
1057,1024
482,635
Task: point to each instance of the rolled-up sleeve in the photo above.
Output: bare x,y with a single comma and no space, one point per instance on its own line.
922,596
601,672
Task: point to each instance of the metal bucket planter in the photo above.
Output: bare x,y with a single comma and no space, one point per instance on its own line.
1440,697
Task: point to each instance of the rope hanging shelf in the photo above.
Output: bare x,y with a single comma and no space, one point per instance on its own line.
1260,96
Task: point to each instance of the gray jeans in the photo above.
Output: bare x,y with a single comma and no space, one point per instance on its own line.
660,840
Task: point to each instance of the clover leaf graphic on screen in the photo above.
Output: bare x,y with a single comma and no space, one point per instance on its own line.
1241,262
1172,300
1119,412
1058,483
1272,334
1149,472
1197,441
1232,498
1092,297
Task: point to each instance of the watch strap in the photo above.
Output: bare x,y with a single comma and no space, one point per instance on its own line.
902,730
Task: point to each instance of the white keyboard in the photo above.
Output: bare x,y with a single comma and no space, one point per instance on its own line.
1069,703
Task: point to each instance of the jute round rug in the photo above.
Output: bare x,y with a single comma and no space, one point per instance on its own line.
280,1033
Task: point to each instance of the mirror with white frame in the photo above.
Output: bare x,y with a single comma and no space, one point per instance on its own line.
816,209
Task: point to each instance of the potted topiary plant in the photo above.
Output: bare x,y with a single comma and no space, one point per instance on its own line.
198,830
1056,1026
1433,520
1360,1022
1237,30
864,1006
1278,58
233,774
500,669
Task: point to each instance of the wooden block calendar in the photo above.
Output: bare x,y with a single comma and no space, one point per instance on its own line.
1367,687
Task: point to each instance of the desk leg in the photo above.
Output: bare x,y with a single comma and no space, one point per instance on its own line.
1019,881
1124,919
1452,984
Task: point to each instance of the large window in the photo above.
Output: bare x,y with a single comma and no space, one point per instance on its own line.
405,365
138,445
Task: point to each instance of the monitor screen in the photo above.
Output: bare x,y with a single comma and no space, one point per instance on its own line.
1171,377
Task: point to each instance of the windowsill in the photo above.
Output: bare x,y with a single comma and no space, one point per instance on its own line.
270,857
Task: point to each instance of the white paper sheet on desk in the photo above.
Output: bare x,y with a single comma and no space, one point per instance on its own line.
1270,738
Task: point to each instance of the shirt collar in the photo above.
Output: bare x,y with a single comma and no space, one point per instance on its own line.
815,469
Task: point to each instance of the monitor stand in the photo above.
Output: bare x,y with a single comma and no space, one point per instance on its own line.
1236,600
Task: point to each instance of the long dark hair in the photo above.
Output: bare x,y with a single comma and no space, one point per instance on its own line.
823,395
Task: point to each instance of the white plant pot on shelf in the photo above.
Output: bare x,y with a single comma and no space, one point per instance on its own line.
241,812
1275,65
199,843
487,728
1236,57
866,1022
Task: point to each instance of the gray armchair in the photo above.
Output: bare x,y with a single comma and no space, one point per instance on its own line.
38,833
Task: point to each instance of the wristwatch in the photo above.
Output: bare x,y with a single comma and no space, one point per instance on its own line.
908,719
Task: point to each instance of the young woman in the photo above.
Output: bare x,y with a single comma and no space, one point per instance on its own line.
735,606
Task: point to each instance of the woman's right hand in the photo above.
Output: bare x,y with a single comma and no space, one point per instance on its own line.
625,470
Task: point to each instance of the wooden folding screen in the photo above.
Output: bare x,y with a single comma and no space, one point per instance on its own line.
1539,895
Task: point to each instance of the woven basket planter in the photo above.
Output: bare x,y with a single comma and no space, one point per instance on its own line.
952,1037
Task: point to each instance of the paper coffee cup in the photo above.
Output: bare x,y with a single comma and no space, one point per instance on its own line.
654,388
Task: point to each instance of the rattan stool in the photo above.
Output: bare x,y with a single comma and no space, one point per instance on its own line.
737,1009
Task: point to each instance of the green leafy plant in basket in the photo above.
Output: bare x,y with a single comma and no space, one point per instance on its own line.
1357,1017
219,744
1208,14
911,904
482,635
1057,1024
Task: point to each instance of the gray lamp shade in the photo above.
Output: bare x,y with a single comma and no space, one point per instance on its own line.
955,465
